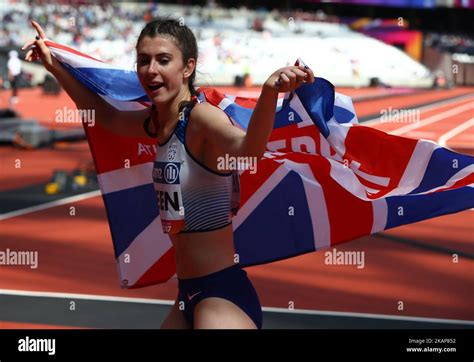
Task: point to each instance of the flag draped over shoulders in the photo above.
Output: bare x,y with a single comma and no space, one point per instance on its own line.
324,179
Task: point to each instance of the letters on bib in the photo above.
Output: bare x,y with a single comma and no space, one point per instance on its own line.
168,190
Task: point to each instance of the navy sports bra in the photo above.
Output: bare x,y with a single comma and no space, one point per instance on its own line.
191,197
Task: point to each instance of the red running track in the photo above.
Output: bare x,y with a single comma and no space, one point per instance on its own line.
76,252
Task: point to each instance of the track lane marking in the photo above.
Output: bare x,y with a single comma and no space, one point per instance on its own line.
48,205
455,131
433,119
426,108
265,309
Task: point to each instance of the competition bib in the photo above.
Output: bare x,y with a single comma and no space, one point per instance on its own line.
168,190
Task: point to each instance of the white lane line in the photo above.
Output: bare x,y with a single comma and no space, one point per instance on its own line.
105,298
109,298
422,134
455,131
433,119
428,107
47,205
368,315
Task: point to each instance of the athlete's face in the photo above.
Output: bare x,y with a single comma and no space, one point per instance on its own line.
161,70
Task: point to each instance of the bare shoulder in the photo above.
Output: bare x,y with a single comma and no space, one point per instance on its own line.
205,115
214,128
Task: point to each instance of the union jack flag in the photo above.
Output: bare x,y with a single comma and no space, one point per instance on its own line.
324,179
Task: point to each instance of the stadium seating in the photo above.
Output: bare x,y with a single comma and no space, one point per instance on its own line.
229,47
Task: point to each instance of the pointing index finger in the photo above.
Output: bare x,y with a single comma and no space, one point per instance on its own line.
38,29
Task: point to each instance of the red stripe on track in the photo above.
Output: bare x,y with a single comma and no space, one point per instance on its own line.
23,325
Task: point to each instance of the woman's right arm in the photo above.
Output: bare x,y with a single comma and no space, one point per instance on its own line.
129,123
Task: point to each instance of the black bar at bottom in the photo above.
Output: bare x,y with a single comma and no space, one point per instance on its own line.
290,345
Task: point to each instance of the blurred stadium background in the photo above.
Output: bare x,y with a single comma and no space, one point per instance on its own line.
399,54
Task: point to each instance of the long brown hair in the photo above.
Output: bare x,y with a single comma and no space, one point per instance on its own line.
184,40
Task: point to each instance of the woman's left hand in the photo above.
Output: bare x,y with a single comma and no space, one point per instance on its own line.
289,78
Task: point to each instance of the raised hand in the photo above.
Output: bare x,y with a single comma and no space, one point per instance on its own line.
40,50
289,78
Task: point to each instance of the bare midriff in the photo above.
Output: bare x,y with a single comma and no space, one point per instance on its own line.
202,253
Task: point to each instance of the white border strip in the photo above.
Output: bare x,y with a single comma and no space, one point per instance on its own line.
144,251
48,205
126,178
80,61
465,172
379,215
315,201
416,168
258,196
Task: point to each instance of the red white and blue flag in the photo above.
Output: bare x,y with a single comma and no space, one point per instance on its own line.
325,179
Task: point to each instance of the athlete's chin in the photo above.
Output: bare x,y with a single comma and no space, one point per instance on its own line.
158,98
162,98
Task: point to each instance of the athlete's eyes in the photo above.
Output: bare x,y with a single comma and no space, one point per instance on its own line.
145,61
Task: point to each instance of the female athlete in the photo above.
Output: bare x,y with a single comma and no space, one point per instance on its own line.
214,291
